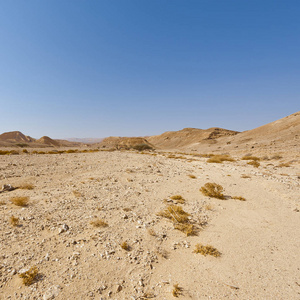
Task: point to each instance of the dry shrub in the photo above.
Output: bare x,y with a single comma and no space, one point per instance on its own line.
178,199
239,198
245,176
177,290
125,246
276,156
206,250
77,194
20,201
127,209
220,158
254,163
192,176
175,213
151,232
212,190
99,223
287,164
2,202
208,207
29,276
26,186
250,157
14,221
188,229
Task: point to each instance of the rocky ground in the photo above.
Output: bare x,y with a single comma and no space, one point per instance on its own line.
258,238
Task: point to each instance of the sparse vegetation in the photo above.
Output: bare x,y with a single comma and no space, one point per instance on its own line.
142,147
250,157
29,276
254,163
287,164
178,199
208,207
245,176
213,190
238,198
206,250
20,201
99,223
220,158
192,176
175,213
276,157
26,186
188,229
77,194
177,290
14,221
162,252
151,232
125,246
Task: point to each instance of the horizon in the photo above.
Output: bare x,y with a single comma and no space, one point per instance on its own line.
138,68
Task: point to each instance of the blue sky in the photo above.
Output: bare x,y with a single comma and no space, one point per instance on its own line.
140,67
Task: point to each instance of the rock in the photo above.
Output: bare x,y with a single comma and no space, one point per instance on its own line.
52,292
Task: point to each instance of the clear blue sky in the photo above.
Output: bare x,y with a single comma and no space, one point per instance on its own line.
140,67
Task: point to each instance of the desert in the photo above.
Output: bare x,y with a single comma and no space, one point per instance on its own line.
128,223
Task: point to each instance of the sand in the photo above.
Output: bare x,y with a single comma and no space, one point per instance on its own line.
258,238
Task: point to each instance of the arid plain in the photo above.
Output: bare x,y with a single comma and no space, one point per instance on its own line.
107,221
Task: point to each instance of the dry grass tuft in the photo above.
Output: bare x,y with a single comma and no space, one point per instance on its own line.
250,157
239,198
245,176
29,276
77,194
287,164
151,232
2,202
175,213
177,290
207,250
20,201
178,199
125,246
192,176
212,190
219,159
254,163
127,209
208,207
26,186
188,229
99,223
14,221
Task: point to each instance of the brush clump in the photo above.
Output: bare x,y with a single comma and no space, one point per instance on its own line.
213,190
178,199
175,213
29,276
99,223
20,201
177,290
220,158
207,250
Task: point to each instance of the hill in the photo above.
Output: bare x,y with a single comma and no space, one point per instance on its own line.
187,136
15,137
123,142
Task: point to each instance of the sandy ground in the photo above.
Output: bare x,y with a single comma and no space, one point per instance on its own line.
258,238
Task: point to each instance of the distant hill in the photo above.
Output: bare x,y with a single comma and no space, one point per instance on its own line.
123,142
85,140
15,137
187,136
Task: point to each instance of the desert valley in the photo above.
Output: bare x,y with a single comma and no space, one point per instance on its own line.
189,214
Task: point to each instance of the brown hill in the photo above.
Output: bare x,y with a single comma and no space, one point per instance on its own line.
123,142
188,136
15,137
45,140
282,135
